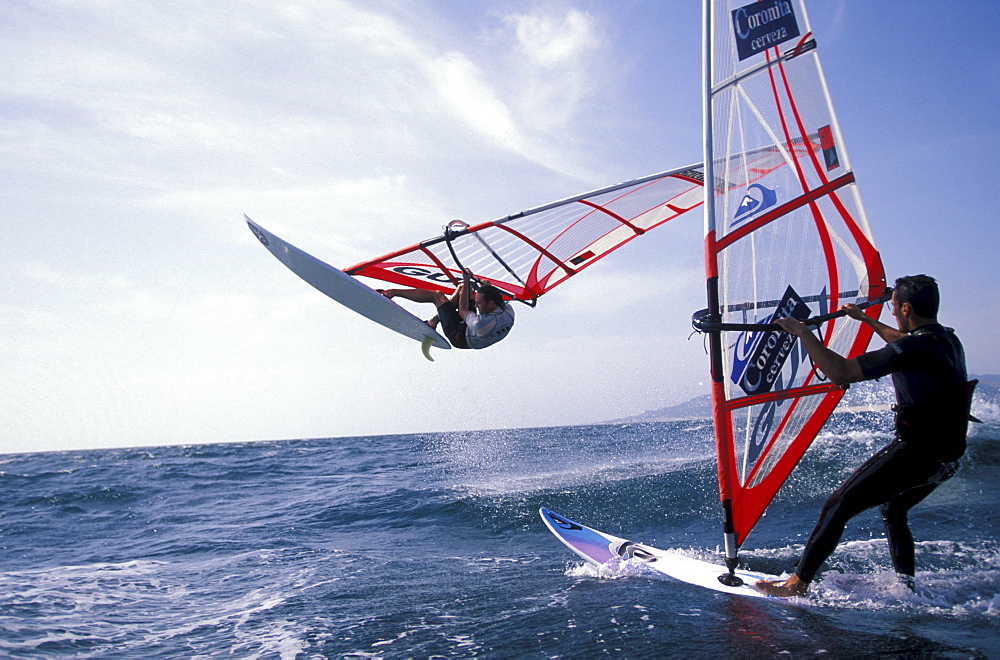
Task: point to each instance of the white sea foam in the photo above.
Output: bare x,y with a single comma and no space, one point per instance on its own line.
104,604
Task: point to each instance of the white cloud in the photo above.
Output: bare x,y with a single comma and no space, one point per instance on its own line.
341,221
468,97
327,85
556,40
564,62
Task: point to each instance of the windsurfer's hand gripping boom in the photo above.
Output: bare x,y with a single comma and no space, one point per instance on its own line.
886,332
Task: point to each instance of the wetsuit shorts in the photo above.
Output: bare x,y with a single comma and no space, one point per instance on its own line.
452,324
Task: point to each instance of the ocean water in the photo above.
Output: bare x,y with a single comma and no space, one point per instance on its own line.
431,546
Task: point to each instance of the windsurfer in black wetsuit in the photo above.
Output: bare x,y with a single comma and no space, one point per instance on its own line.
927,364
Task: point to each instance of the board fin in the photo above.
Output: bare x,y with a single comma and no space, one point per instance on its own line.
425,346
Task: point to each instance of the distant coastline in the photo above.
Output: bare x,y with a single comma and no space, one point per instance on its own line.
872,396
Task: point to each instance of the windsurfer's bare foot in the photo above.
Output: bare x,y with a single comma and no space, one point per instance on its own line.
388,293
789,588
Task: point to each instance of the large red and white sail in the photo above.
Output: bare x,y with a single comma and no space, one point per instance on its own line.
528,253
790,241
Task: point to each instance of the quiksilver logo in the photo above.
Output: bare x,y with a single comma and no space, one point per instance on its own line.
756,199
259,234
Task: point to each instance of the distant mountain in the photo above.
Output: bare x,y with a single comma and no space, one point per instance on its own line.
869,395
988,379
699,407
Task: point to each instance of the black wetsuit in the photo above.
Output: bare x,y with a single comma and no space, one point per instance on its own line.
452,324
932,409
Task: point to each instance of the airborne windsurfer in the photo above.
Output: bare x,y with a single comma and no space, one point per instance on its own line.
468,322
927,363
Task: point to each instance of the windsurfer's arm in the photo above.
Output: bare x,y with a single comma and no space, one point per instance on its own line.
463,295
837,368
886,332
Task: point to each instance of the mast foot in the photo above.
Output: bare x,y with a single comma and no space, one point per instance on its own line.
732,561
730,580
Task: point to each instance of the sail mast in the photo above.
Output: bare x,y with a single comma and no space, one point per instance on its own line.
719,415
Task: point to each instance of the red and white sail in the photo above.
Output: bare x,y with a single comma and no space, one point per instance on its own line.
793,240
528,253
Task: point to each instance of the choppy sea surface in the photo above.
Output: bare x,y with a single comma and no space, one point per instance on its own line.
431,546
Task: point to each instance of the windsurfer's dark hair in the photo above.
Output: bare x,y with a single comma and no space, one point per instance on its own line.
492,294
921,291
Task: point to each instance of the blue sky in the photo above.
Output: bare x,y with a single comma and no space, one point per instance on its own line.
138,310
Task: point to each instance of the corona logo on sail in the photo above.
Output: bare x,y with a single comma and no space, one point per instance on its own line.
762,25
757,373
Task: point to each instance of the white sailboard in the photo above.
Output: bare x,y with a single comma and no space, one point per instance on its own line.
348,291
790,240
601,549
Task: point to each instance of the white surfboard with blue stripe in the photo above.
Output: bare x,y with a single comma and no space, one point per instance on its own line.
599,549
